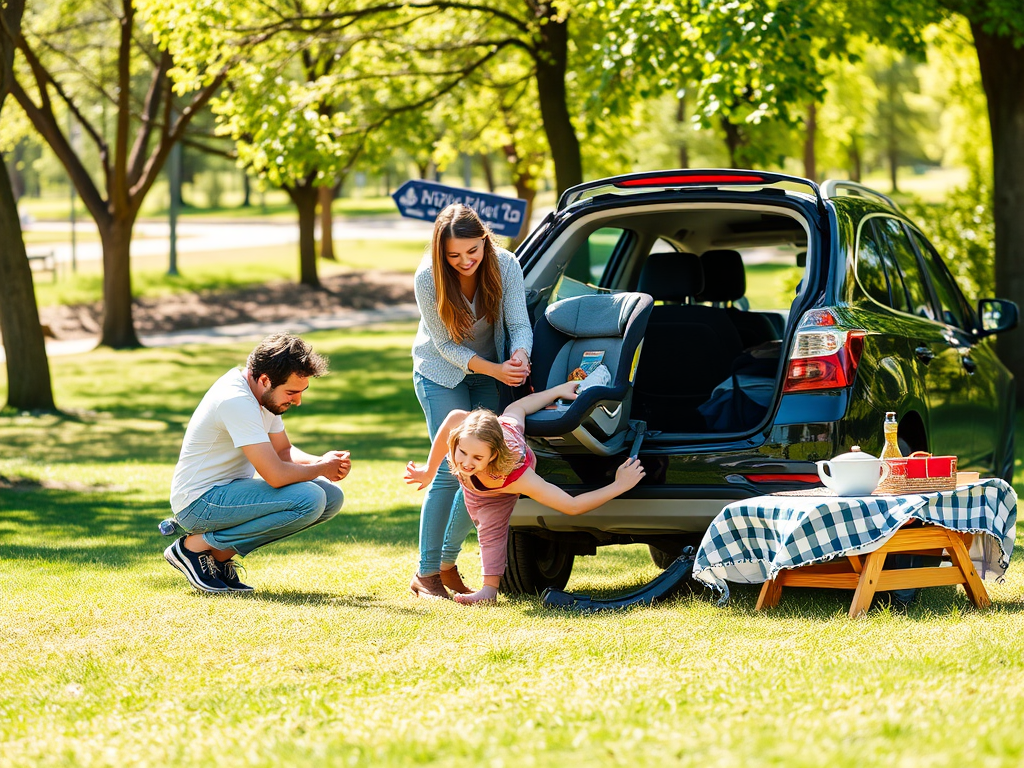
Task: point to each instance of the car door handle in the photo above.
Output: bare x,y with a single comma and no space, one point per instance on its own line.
969,365
924,354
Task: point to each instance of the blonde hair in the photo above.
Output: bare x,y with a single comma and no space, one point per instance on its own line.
462,222
484,426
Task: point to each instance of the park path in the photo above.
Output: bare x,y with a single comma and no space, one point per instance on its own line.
227,334
152,238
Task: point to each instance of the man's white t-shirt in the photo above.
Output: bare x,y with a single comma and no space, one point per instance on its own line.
228,418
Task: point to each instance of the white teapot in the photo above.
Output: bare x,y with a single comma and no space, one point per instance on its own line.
853,474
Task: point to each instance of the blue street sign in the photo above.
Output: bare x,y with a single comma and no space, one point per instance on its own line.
417,199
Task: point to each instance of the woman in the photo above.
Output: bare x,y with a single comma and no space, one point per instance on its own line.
471,298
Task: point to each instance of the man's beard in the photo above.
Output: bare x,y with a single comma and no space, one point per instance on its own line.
268,402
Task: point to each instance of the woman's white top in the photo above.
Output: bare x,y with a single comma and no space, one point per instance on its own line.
437,357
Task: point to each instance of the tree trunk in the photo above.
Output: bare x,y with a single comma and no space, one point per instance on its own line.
304,197
526,189
684,145
118,326
485,161
733,140
811,125
856,161
552,61
1002,71
246,190
28,370
326,198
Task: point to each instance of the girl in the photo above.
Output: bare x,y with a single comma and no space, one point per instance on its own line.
471,298
489,456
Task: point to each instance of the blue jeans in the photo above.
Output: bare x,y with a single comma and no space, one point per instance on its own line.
246,514
444,522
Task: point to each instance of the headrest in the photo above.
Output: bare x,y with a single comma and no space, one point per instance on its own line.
671,276
724,276
593,315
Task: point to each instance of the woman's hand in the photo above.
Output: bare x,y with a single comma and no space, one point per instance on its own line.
522,357
629,473
418,474
512,372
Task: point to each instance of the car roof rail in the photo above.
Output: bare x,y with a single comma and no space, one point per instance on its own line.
682,178
831,189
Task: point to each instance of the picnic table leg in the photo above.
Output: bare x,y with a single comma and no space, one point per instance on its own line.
973,585
770,594
868,583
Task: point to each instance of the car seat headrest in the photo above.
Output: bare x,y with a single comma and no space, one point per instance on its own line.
592,316
724,276
671,276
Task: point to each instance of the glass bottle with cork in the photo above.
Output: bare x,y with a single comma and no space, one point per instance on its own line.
891,448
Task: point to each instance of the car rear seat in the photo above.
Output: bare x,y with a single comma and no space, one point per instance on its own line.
725,281
688,349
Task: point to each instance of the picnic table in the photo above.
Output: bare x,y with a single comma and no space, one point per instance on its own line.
815,538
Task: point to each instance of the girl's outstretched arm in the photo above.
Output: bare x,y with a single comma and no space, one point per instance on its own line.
423,474
629,473
524,406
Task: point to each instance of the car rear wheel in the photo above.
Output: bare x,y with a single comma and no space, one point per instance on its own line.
664,553
534,564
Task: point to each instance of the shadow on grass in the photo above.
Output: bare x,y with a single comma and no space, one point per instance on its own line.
115,531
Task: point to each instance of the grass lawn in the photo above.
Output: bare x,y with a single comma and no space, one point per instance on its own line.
108,657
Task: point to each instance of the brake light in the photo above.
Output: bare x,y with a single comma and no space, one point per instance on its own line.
823,359
707,178
795,478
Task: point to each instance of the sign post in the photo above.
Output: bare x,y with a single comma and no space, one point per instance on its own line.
419,199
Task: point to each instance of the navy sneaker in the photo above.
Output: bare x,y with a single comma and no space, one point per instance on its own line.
199,567
227,571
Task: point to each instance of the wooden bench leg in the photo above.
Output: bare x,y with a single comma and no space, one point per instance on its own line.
973,584
770,594
868,583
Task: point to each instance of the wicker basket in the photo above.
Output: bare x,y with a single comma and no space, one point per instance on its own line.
919,472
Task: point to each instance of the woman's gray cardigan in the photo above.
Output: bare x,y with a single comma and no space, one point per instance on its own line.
436,357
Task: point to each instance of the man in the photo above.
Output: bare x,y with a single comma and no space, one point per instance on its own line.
238,428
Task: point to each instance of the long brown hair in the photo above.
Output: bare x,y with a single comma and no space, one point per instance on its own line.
460,221
484,426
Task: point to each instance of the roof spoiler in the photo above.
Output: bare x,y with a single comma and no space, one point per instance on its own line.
684,178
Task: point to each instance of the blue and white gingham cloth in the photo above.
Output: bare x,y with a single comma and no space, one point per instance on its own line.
752,540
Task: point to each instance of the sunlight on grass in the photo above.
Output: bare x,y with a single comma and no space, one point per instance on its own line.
108,658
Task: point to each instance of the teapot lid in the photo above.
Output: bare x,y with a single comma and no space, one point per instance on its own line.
855,454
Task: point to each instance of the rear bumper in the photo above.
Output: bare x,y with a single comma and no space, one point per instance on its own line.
625,516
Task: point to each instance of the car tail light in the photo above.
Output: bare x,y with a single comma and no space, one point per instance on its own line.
824,356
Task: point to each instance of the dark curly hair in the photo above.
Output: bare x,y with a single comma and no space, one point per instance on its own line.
280,355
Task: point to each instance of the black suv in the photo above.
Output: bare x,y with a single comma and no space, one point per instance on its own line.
787,318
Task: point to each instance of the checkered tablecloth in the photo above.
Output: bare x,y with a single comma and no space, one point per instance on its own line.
752,540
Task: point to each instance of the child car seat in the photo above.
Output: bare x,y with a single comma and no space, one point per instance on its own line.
606,326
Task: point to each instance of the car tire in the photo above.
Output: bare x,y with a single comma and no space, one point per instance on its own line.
534,564
663,558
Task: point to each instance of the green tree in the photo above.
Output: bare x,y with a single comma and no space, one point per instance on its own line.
28,370
62,49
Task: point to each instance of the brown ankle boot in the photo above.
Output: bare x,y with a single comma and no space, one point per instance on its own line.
452,580
429,586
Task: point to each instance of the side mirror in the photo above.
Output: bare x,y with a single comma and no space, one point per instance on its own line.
801,259
997,315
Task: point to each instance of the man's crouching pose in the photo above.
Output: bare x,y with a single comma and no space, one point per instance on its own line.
238,428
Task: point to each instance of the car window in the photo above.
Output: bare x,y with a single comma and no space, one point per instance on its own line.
586,271
590,261
870,266
954,306
902,252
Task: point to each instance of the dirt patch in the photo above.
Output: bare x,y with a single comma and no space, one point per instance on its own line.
26,484
273,302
